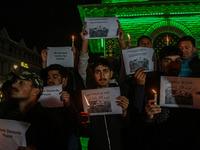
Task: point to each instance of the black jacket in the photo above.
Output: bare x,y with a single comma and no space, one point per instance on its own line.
173,128
46,131
113,130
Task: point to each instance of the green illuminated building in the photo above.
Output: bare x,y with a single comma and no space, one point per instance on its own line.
156,19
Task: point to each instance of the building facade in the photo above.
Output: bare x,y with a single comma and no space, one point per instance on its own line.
156,19
16,56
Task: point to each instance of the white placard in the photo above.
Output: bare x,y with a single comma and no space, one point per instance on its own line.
180,92
12,134
138,57
60,55
102,101
101,27
50,96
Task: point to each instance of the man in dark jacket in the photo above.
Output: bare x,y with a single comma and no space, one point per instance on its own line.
105,131
170,128
56,74
45,130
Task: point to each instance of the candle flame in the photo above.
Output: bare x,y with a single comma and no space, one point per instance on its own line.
86,100
129,37
154,91
72,37
167,40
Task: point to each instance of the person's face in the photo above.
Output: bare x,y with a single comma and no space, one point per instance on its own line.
102,76
22,89
171,65
187,49
54,78
144,42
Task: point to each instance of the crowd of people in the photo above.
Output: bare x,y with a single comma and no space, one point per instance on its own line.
142,124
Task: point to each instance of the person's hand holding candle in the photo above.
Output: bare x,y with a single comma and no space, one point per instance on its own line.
152,108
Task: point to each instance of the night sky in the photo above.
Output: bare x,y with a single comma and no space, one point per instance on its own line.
43,23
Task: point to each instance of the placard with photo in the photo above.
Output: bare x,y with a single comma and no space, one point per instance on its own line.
180,92
101,101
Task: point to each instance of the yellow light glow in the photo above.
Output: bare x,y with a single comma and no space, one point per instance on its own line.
24,65
167,40
154,91
1,95
129,37
73,40
15,66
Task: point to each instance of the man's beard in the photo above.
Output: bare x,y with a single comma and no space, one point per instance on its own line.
185,55
173,72
102,85
17,99
51,83
102,79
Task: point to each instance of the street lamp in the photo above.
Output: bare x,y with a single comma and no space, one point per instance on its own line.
15,67
24,65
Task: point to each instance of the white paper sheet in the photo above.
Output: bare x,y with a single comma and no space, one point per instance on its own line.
12,134
60,55
180,92
101,27
50,96
135,58
102,101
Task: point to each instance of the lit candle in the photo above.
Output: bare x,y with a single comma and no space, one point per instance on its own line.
72,40
155,96
88,104
167,40
129,40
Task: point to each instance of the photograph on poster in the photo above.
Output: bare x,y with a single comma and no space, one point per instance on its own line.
180,92
98,31
101,101
101,27
138,63
178,96
135,58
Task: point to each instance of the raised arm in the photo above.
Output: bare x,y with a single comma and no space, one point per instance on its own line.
83,58
120,39
44,58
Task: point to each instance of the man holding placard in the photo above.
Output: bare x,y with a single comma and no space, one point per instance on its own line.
69,78
100,104
57,75
170,128
105,130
